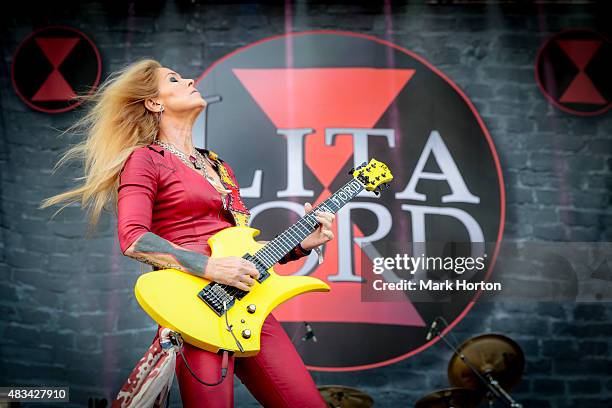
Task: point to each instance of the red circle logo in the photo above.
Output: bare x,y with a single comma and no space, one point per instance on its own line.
299,111
54,64
573,69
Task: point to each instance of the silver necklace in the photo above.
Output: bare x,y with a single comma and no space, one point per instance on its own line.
196,160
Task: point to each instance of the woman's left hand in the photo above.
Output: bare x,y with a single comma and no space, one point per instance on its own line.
323,233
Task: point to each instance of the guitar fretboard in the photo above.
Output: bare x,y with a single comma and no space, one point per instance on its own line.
282,244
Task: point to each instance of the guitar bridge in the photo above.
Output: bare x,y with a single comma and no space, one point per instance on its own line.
214,294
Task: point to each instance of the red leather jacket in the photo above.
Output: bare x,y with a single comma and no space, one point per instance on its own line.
159,193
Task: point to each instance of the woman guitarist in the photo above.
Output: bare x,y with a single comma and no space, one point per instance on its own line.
170,198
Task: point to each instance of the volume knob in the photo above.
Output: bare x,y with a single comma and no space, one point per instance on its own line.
246,333
251,308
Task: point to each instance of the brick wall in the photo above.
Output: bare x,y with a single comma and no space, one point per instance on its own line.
66,305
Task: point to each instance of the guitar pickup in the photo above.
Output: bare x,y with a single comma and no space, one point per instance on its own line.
261,268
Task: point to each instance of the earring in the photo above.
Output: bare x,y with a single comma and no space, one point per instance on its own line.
159,115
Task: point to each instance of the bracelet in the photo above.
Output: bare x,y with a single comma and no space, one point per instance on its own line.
302,250
296,253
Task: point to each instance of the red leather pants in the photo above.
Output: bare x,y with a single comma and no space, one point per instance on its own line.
276,376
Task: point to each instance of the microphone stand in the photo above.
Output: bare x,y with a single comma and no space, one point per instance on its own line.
491,383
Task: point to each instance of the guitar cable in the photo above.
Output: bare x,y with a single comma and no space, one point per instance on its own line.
177,341
230,327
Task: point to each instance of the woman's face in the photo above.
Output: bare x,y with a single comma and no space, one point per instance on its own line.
178,94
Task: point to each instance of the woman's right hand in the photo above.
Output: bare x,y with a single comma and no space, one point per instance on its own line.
233,271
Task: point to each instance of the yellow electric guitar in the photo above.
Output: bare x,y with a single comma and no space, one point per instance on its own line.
213,316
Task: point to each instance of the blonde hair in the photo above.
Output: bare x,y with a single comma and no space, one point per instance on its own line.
117,124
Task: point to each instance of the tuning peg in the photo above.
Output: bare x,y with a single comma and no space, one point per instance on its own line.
351,171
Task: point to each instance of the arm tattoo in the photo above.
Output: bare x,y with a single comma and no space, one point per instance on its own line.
154,250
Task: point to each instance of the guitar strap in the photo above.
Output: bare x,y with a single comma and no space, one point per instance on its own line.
234,203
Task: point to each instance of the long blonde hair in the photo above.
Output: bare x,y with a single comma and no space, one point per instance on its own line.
117,124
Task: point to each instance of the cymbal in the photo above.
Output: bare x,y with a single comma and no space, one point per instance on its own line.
339,396
493,354
450,398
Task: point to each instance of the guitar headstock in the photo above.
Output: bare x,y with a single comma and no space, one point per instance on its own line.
374,175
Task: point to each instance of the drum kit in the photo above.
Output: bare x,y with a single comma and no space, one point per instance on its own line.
483,367
338,396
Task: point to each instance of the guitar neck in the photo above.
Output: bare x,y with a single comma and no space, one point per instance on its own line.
283,243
